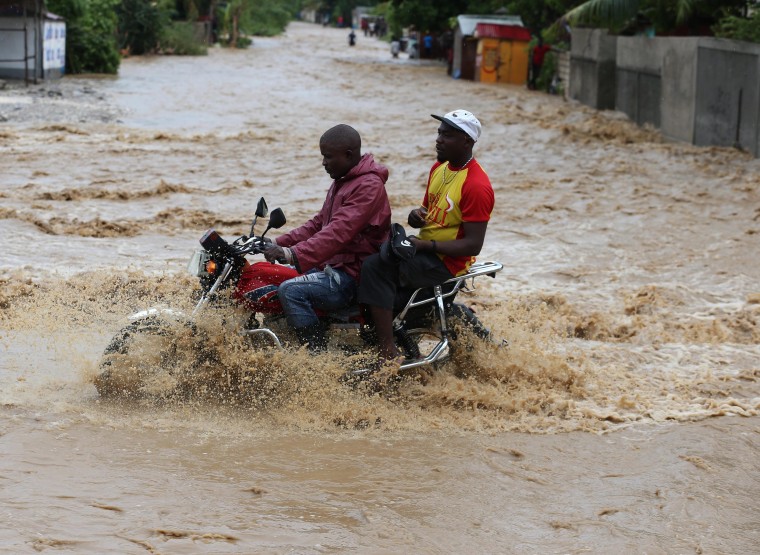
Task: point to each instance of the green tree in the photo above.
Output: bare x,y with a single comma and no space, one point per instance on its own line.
232,14
140,25
539,14
739,27
240,18
438,15
269,18
427,14
666,16
91,27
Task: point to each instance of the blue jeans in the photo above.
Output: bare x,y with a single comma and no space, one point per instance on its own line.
316,289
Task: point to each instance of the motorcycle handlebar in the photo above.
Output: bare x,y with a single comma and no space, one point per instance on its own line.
216,245
250,245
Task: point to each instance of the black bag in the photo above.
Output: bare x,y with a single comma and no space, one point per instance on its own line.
397,247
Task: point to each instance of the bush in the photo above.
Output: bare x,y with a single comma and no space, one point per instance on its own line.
179,38
267,19
739,28
243,42
140,25
239,18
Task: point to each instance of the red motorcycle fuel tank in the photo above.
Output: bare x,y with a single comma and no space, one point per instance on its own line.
257,286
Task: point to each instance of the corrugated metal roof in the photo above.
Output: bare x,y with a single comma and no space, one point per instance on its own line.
467,23
498,31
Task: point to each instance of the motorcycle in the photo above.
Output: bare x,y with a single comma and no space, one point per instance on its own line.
424,326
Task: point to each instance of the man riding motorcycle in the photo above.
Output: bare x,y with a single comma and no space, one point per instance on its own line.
328,250
452,221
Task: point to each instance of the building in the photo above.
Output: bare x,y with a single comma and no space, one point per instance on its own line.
32,41
502,53
466,42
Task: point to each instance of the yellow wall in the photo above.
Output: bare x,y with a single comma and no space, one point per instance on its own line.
489,60
502,61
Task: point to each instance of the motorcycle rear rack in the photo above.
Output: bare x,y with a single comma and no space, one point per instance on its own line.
459,282
478,269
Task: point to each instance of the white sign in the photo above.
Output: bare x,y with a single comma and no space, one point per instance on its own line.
54,46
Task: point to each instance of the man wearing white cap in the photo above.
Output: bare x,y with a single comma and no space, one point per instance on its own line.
452,221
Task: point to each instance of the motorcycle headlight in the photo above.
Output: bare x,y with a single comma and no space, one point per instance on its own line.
198,263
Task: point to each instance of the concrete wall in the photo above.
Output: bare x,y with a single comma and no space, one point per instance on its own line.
592,68
679,65
695,89
638,86
728,94
456,65
12,47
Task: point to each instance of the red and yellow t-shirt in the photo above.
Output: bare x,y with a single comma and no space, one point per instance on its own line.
452,198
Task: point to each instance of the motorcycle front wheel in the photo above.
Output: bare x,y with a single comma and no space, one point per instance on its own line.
146,359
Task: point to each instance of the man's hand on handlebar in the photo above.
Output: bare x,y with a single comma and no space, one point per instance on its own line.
274,253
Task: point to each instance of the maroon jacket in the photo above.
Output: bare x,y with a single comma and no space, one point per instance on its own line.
352,224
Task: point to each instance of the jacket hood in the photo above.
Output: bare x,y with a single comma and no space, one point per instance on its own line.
366,165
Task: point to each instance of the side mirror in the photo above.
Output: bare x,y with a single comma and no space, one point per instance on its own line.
261,208
261,212
276,220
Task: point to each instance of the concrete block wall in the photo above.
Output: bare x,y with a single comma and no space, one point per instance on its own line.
592,68
638,85
727,104
705,91
679,93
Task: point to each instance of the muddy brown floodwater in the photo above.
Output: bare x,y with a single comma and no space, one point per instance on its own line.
622,418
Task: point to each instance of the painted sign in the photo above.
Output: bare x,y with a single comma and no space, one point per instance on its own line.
54,46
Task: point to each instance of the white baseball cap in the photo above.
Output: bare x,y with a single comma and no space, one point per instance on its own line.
464,121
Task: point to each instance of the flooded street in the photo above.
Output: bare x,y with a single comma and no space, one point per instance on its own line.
623,416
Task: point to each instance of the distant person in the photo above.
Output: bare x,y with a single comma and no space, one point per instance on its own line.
537,61
365,26
427,45
413,49
447,47
395,46
352,38
372,26
452,221
329,249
